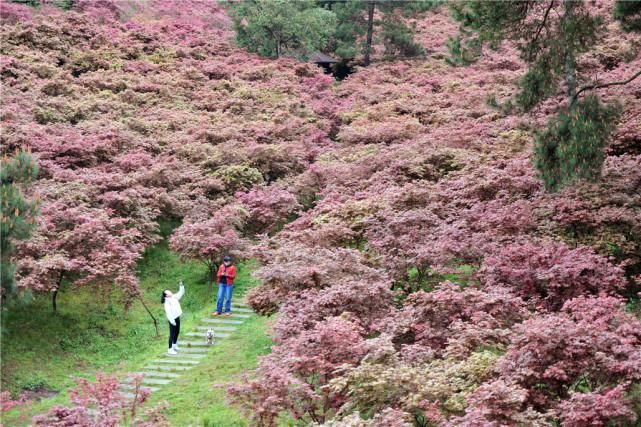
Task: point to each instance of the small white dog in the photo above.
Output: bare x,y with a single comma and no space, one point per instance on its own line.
209,339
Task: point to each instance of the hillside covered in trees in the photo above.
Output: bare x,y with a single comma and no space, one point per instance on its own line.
435,255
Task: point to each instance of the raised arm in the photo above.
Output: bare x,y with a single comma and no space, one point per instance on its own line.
178,295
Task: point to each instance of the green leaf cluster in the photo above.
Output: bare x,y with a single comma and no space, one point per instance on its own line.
274,28
549,35
571,147
17,216
629,14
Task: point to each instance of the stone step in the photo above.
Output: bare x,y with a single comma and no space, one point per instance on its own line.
155,381
131,387
185,355
240,302
203,334
178,361
242,310
200,343
234,315
170,368
189,350
238,315
155,374
221,328
218,320
216,333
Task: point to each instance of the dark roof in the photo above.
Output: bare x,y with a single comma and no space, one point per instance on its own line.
322,58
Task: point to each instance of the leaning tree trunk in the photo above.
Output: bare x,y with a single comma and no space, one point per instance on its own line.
55,291
370,30
152,316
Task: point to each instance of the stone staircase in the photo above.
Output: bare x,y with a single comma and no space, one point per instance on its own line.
193,349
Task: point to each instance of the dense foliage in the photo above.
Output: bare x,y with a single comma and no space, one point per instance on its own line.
275,28
99,403
414,258
17,217
136,112
550,36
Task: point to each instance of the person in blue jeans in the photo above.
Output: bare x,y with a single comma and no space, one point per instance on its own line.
226,276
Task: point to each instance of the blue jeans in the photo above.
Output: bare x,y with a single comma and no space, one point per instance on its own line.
224,293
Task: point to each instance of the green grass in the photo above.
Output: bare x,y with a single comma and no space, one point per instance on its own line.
45,351
198,398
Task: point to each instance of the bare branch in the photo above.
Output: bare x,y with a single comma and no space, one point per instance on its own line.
602,85
538,32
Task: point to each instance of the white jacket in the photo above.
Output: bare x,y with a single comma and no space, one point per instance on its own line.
172,305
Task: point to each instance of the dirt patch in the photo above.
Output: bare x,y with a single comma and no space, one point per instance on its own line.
38,394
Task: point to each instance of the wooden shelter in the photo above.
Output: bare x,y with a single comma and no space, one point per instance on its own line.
325,61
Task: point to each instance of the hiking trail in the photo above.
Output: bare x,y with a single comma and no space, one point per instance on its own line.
193,349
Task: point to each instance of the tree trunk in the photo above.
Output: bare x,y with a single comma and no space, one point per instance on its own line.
211,272
152,316
55,291
370,29
570,60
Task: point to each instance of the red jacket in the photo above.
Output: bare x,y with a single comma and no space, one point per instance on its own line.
231,273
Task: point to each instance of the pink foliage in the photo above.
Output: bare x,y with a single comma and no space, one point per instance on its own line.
97,403
7,402
295,267
293,377
81,244
267,207
402,175
592,341
499,403
449,320
551,274
210,239
597,408
278,390
364,300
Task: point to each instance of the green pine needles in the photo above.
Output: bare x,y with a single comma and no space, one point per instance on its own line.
572,146
550,36
18,214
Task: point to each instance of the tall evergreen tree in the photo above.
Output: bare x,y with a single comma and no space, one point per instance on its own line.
357,23
18,214
274,28
550,35
629,13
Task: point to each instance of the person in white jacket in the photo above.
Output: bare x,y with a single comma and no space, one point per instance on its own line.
173,311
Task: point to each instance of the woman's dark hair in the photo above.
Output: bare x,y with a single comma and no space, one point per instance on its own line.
162,298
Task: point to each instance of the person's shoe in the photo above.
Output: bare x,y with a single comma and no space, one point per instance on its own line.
215,313
172,351
228,314
175,347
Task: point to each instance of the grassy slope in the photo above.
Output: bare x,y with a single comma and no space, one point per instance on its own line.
42,350
199,397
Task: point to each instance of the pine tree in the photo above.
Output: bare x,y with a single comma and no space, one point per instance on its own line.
18,214
550,36
357,23
629,13
274,28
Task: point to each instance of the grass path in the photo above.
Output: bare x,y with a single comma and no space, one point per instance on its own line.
44,352
197,398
